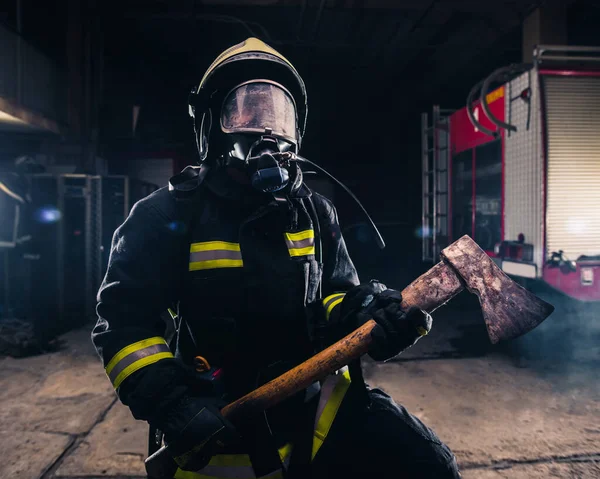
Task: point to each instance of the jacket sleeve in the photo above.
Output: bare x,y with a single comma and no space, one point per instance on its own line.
146,259
339,273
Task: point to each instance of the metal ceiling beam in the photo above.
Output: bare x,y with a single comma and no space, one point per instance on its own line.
317,23
301,19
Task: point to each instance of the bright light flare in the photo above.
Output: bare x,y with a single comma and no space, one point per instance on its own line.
48,215
177,227
423,232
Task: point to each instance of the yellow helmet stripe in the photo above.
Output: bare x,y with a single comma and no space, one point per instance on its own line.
250,45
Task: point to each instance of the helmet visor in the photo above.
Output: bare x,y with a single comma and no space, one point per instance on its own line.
257,107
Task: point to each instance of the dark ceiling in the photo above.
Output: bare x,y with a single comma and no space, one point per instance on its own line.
381,38
370,67
376,55
360,59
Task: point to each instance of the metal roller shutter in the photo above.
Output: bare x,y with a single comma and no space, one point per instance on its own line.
573,146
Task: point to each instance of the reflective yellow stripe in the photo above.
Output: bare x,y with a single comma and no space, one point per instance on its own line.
214,255
132,348
302,251
301,243
322,429
332,296
284,452
172,313
333,305
301,235
331,408
132,368
331,302
214,245
216,263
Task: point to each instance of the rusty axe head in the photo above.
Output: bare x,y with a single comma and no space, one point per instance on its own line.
509,310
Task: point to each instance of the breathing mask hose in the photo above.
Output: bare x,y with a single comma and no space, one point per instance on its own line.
317,226
271,174
378,237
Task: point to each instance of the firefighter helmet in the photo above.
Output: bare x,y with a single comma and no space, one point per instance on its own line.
250,67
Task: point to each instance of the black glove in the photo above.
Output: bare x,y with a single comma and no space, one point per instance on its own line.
195,431
398,329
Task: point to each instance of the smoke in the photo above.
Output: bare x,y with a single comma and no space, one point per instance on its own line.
565,348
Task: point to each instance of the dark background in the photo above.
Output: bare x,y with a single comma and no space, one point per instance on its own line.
371,68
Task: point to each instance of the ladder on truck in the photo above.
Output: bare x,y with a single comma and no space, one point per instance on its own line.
435,157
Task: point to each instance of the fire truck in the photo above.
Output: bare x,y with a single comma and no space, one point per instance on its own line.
518,169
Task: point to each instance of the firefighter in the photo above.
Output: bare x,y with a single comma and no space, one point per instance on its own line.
255,266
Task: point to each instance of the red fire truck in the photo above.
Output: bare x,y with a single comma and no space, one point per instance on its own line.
518,169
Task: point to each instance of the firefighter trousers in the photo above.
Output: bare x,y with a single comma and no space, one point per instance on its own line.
382,440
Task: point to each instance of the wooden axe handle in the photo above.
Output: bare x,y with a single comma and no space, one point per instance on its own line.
314,369
428,292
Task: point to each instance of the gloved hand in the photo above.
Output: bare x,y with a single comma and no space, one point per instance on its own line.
194,431
398,329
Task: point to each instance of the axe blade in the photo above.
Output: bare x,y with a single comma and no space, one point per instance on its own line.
509,310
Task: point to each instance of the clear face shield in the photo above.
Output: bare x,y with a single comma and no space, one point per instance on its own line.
260,107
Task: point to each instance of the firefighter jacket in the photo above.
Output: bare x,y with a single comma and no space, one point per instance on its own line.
243,272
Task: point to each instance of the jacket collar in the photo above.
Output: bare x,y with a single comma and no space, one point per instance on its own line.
220,182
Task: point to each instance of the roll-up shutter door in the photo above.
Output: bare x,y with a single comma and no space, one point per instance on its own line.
573,149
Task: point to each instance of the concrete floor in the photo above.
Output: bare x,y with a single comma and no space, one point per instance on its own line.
530,409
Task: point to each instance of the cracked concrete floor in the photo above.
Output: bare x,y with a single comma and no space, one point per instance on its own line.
509,411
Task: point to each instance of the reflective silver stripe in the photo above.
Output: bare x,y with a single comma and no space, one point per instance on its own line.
332,402
327,388
214,254
301,243
136,356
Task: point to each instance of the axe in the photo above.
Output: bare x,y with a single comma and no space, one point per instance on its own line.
509,311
